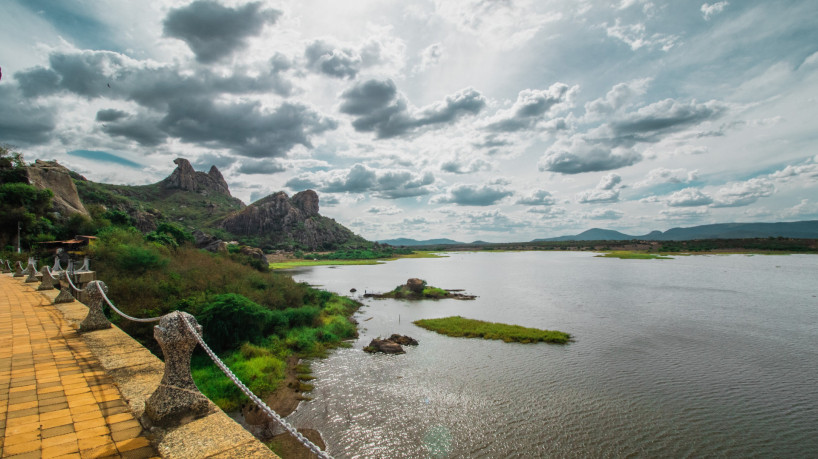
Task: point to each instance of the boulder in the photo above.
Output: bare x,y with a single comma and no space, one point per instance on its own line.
403,340
253,252
50,175
384,345
415,285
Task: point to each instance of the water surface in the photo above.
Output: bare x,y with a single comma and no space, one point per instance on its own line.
696,356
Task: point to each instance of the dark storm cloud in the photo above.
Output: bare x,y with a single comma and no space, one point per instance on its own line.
579,157
378,107
530,108
38,81
142,130
244,127
23,122
213,31
329,59
472,195
111,114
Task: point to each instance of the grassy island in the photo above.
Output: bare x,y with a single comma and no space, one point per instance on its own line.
416,289
470,328
634,255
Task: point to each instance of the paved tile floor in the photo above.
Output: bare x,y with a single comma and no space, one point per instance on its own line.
55,399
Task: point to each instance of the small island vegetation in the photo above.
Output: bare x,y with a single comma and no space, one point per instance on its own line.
470,328
634,255
417,289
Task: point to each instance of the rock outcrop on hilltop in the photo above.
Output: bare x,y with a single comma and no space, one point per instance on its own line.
57,178
281,219
186,179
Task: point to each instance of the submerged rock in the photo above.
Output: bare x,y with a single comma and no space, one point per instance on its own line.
404,340
384,345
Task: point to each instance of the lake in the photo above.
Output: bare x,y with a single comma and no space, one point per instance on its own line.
695,356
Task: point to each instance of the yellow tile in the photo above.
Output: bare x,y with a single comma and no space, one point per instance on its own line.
55,414
11,450
62,451
133,443
99,451
94,432
87,415
23,437
118,418
90,424
22,421
59,440
56,422
22,406
21,388
93,442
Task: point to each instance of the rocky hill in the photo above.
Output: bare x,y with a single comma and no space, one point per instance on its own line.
282,220
57,178
202,201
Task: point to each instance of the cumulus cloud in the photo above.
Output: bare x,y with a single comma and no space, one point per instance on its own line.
430,57
689,214
332,59
213,31
604,214
378,107
578,156
386,184
664,175
473,195
111,114
616,99
711,9
804,209
455,166
547,212
606,191
264,166
791,172
743,193
491,220
649,123
144,130
688,197
538,198
531,107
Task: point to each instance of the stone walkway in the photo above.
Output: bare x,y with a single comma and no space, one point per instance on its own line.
55,399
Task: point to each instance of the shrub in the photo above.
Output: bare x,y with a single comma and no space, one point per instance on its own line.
138,259
231,319
305,316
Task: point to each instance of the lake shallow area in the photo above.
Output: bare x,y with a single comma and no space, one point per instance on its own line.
695,356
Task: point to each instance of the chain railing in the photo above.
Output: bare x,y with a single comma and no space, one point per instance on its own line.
68,272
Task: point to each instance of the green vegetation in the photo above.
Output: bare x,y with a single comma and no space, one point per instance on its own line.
377,251
21,204
417,289
300,263
460,327
633,255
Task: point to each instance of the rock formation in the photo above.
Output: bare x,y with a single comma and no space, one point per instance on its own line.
55,177
392,345
186,179
279,219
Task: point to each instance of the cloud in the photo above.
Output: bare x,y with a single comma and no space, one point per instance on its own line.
430,56
111,114
616,99
711,9
213,31
386,184
382,210
143,130
456,166
538,198
378,107
264,166
531,107
301,183
472,195
635,36
244,127
604,214
689,214
606,191
332,59
547,212
491,220
579,156
743,193
650,122
22,121
793,172
664,175
804,209
688,197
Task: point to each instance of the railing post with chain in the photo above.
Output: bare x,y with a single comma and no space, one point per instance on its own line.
177,399
18,269
48,281
95,320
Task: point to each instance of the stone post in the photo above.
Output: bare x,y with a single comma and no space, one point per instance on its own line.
18,269
64,296
85,265
177,400
95,320
3,264
47,282
32,275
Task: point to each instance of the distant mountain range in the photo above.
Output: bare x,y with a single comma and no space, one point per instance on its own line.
412,242
801,230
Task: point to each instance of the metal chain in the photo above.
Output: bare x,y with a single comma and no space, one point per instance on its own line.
289,428
135,319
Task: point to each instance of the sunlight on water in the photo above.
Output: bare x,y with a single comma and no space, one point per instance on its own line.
697,356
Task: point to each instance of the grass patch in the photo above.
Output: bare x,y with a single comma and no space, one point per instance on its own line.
470,328
634,255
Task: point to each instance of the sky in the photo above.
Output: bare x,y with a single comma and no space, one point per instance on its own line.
504,120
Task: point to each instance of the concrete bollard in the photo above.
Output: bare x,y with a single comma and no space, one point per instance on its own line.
48,281
32,276
18,269
95,320
177,400
64,296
